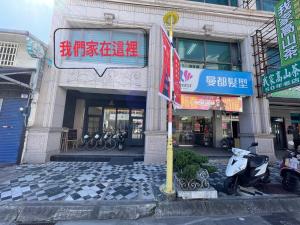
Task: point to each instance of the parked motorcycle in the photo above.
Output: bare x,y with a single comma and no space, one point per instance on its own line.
109,140
227,143
85,141
246,169
290,172
120,138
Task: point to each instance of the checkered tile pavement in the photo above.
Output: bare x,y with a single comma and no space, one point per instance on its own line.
75,181
69,181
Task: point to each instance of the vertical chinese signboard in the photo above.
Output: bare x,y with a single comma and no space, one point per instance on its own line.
164,87
288,30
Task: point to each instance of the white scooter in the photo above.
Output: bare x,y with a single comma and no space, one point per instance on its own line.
246,169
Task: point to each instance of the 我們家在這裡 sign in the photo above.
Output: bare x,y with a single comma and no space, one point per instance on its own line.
286,77
220,82
100,48
288,30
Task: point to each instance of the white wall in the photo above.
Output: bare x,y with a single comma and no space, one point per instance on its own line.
23,59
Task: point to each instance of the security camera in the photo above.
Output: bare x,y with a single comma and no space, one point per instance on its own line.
21,109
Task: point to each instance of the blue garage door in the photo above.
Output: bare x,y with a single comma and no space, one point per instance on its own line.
11,128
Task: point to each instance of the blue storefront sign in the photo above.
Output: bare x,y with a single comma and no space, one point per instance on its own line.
219,82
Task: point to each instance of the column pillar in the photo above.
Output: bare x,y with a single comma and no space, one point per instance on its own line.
44,135
79,117
255,118
156,108
217,128
43,139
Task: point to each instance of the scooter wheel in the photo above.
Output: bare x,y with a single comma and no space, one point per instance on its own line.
120,147
230,185
290,182
266,178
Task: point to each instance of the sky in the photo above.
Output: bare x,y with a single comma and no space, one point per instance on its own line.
34,16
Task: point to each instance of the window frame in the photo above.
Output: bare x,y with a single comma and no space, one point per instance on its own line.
205,62
260,3
8,53
229,2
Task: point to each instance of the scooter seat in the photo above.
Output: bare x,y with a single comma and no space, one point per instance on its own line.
258,160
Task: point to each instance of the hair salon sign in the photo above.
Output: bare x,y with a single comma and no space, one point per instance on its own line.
221,82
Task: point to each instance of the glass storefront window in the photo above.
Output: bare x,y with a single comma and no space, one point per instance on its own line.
191,49
123,119
137,128
209,54
192,130
109,119
95,111
94,114
219,2
217,52
137,113
266,5
93,125
230,125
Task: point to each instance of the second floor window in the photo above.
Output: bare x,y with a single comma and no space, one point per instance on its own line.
219,2
266,5
209,54
8,52
273,60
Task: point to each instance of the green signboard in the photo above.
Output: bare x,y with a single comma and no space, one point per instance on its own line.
288,93
288,30
286,77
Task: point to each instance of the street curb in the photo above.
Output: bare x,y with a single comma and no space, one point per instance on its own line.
223,207
98,210
84,210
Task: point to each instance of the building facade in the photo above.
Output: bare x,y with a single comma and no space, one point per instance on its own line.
213,37
20,78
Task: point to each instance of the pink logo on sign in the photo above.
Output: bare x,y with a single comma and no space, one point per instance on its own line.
185,76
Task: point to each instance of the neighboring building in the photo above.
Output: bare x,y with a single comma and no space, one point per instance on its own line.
214,36
284,107
20,78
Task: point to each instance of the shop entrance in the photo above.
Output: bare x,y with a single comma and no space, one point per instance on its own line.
103,119
278,129
193,130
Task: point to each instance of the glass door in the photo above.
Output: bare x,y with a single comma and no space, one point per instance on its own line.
123,120
93,120
109,119
137,127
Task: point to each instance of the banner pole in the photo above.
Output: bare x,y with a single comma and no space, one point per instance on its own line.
170,19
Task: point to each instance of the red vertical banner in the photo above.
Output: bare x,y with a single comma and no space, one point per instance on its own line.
164,86
176,76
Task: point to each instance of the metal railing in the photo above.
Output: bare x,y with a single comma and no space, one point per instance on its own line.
263,39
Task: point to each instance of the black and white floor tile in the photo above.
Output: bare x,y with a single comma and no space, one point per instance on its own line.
78,181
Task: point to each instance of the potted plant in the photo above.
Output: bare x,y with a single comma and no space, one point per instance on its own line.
191,170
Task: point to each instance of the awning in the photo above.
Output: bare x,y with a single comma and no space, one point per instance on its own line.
16,75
